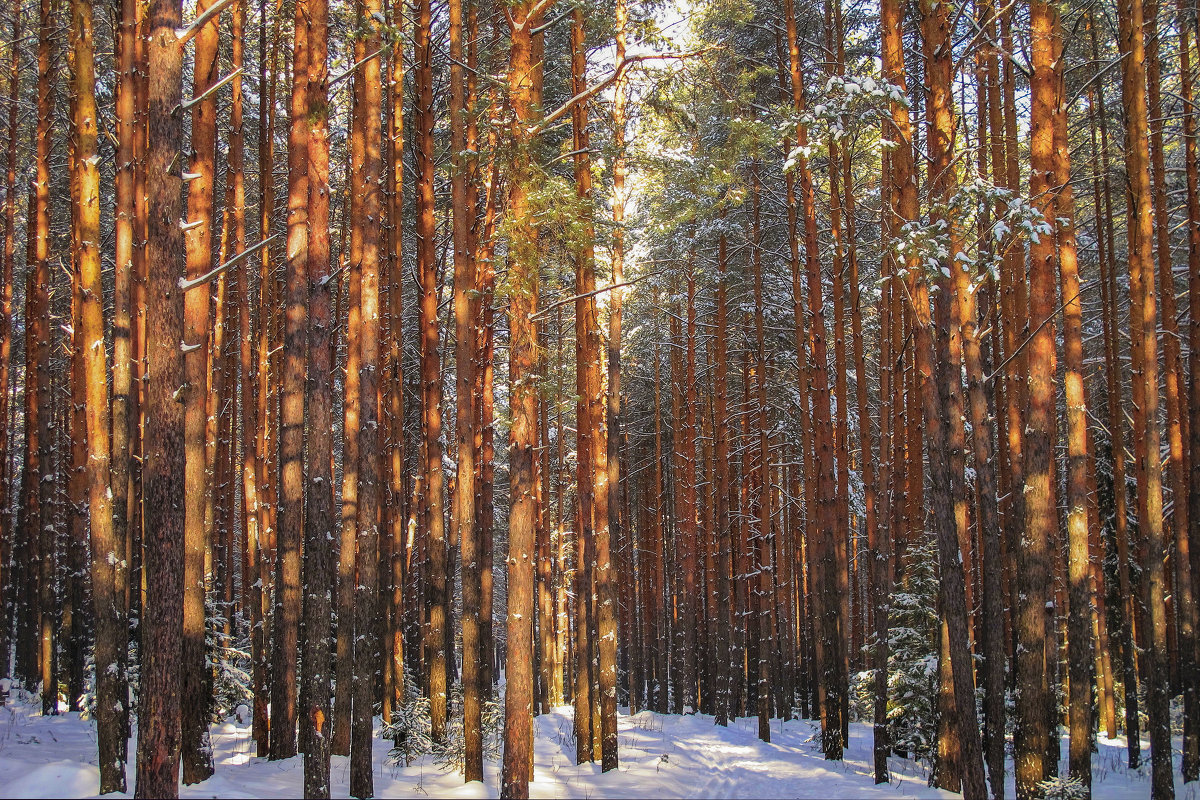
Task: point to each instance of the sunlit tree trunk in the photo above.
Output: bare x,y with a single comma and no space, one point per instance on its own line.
1179,580
431,385
104,543
352,408
523,288
1040,516
953,545
465,310
41,526
370,488
1080,647
393,394
73,455
967,318
197,751
608,537
288,601
318,519
1144,343
260,597
1115,424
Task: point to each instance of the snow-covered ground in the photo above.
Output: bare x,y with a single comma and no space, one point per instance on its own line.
661,756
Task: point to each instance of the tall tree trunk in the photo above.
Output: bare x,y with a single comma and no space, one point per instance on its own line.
689,618
1189,541
1180,580
288,599
27,663
724,665
1032,766
587,378
42,527
318,521
197,751
1079,623
465,313
8,467
264,409
943,435
1115,420
610,535
831,648
431,381
163,473
251,509
763,501
351,426
523,280
1144,342
104,544
370,489
841,421
990,519
72,614
397,495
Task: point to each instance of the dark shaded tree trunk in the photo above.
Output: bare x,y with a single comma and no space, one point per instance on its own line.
163,471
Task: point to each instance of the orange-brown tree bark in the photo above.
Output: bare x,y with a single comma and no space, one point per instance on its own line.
431,382
288,597
830,638
110,621
1144,347
7,528
1080,647
163,472
318,488
351,428
522,291
41,526
587,378
1189,541
370,487
197,750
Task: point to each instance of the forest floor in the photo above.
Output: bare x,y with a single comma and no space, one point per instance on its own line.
661,756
